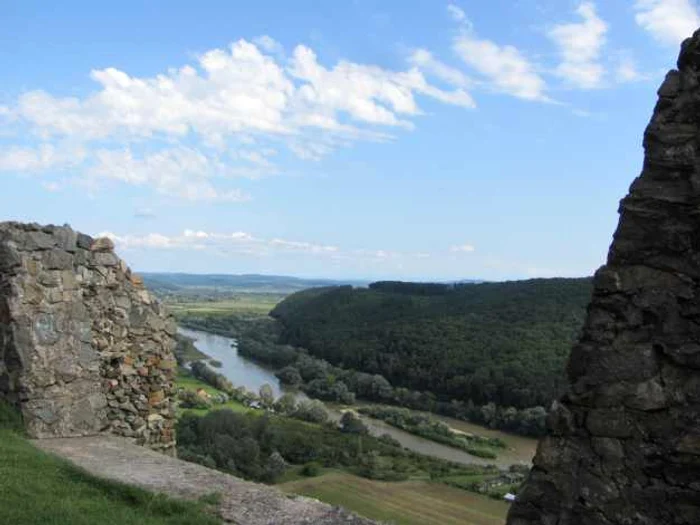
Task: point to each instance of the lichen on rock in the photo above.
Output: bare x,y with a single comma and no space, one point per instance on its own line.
84,348
623,444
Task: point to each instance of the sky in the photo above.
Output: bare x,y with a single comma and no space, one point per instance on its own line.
409,139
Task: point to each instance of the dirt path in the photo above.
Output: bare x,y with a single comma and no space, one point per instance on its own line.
242,503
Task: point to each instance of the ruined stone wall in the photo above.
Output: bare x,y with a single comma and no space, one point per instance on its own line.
84,348
623,445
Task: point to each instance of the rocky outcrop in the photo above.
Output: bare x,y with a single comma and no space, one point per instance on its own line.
623,445
84,348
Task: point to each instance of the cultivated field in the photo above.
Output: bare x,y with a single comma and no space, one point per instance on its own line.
404,503
259,304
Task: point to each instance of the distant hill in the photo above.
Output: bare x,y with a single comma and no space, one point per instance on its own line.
226,283
502,342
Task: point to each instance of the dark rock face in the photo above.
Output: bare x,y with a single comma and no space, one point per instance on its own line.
623,445
84,348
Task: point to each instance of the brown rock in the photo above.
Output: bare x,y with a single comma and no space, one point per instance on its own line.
102,244
156,397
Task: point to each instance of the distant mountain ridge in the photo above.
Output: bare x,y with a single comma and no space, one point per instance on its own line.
244,283
254,283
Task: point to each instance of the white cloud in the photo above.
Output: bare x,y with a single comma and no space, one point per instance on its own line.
245,94
40,158
504,67
235,242
178,172
456,12
423,59
269,44
365,93
243,243
626,71
302,246
234,91
310,150
462,248
668,21
580,46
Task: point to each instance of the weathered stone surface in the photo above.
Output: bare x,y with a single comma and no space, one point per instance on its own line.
239,501
624,442
69,354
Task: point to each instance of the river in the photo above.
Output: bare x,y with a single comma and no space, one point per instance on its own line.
244,372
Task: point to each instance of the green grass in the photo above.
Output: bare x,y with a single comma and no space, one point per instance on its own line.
404,503
258,304
194,384
38,488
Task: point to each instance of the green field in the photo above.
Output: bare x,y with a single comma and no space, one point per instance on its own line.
194,384
257,304
38,488
405,503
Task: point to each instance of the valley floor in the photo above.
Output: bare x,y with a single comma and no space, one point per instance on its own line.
405,503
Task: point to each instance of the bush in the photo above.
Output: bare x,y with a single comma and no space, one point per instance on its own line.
351,424
312,411
10,418
201,371
311,469
189,399
289,376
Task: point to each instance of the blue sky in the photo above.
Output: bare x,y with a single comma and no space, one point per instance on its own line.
407,139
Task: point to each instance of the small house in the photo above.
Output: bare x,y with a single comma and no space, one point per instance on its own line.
510,498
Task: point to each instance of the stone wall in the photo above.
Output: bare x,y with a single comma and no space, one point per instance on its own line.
623,445
84,348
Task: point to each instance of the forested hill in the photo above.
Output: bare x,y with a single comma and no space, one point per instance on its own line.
505,343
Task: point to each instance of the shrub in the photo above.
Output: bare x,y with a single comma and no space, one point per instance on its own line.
311,469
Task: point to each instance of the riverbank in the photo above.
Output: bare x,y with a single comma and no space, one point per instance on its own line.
244,372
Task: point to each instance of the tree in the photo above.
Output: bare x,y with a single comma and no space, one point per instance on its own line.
313,411
267,396
286,404
274,467
290,375
352,424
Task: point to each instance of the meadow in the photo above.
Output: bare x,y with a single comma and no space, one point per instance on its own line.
188,382
402,503
243,303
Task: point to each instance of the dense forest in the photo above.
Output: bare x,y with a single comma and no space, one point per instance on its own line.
503,343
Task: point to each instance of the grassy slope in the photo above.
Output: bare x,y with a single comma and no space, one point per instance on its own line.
37,488
406,503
